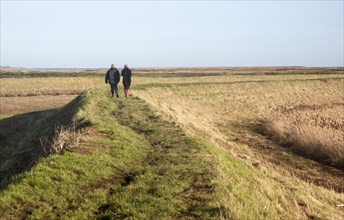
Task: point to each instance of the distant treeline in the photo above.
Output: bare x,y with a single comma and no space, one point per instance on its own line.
38,74
177,72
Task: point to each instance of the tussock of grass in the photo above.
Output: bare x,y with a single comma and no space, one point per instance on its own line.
65,140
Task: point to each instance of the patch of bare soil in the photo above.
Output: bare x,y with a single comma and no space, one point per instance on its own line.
123,178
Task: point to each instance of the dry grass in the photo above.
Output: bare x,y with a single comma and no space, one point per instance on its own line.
227,78
22,95
48,86
314,131
217,108
229,113
65,139
10,106
10,87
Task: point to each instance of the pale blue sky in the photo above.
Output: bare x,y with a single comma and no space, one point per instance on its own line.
88,34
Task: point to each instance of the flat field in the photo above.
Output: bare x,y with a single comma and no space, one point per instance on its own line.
274,137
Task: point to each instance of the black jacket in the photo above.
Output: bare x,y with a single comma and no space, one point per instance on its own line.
112,76
126,73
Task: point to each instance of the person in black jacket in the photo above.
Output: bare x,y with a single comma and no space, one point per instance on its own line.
112,77
126,73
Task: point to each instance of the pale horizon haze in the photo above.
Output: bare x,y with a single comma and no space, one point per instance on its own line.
95,34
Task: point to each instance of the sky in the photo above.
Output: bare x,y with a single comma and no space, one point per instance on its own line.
94,34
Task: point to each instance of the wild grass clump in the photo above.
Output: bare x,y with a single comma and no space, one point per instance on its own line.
65,139
313,131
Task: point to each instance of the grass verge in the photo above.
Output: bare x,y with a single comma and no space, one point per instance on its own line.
141,168
54,188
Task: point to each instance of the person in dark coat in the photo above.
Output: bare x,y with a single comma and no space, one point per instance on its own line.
126,73
112,77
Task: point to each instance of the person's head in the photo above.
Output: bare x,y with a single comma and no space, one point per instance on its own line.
126,66
112,65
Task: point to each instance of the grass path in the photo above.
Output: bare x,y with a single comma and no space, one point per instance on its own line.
175,178
135,166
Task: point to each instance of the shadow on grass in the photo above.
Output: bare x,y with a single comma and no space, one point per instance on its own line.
20,139
20,144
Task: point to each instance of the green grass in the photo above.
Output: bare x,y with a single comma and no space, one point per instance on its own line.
175,180
147,169
54,186
143,167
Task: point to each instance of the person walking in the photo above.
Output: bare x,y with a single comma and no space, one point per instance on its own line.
126,73
112,77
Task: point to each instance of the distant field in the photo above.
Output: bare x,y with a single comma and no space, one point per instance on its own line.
11,106
31,86
267,144
22,95
48,86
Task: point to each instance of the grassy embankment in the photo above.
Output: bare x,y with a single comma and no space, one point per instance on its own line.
230,187
145,168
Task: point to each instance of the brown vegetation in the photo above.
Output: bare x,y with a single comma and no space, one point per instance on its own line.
48,86
316,132
64,139
231,113
19,105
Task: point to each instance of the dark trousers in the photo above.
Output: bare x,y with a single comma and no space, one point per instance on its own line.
126,83
114,89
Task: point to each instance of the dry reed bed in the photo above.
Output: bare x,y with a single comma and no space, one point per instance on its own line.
314,131
219,111
225,104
